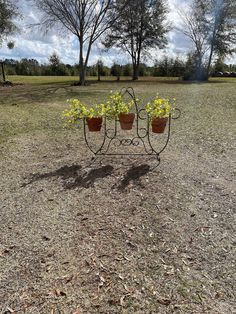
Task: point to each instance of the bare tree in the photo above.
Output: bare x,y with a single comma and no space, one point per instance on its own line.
86,19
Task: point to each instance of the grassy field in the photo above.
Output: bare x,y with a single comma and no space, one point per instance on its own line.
112,236
35,80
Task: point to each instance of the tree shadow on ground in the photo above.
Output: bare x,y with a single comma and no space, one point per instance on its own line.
75,177
133,174
65,172
87,180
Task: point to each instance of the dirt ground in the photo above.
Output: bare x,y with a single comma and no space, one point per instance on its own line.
113,235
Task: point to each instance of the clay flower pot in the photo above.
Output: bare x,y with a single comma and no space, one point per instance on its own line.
94,124
159,124
126,120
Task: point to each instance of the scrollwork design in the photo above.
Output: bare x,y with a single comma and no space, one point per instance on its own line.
126,142
175,116
145,132
140,115
109,133
136,141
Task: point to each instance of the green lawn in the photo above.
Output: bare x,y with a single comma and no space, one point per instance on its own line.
41,80
37,104
35,80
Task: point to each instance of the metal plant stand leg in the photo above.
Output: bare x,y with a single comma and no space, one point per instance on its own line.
142,137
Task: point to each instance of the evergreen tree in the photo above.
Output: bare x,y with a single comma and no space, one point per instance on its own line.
116,70
8,12
139,25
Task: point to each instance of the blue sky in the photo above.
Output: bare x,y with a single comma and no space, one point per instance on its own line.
31,43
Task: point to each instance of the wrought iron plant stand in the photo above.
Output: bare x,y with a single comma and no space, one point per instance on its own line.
111,137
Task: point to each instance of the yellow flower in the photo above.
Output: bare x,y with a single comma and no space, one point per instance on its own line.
117,105
160,107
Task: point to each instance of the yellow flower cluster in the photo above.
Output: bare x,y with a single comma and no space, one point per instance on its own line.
111,109
160,107
118,105
79,111
115,105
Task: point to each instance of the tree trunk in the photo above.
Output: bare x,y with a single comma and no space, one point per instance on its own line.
200,71
212,48
99,73
135,71
81,66
210,59
3,72
82,76
81,73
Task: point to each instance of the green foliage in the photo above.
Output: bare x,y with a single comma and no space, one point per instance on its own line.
101,69
56,66
221,26
210,25
169,67
127,70
139,26
166,67
54,60
194,69
10,44
32,67
8,12
220,66
116,70
7,27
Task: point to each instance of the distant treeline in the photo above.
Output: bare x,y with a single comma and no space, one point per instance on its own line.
172,67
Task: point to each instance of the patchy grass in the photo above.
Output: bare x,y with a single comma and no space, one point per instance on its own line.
113,236
45,80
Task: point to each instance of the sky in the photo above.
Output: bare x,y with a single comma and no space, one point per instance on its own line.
31,43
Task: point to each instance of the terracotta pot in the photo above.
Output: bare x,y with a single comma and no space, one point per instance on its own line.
94,124
126,120
159,124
